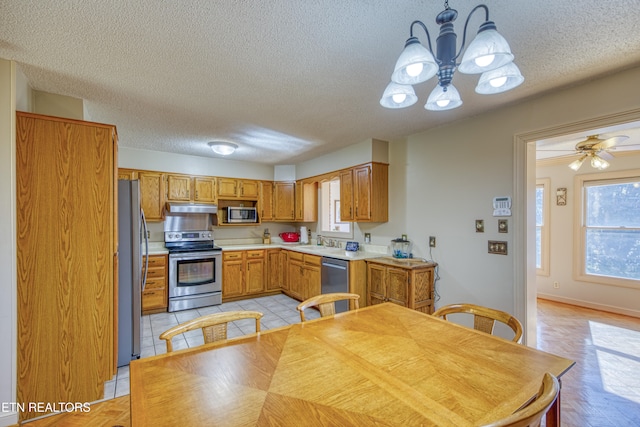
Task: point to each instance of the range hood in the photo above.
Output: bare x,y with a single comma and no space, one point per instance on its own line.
191,208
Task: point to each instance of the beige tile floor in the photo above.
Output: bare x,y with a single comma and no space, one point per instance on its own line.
278,310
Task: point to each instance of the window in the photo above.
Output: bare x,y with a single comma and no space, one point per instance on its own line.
609,228
542,226
330,224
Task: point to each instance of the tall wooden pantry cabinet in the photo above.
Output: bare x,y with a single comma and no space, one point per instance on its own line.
67,258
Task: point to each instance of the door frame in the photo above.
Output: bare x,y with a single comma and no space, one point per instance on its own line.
524,184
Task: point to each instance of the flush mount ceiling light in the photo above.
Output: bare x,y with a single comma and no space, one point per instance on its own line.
223,148
488,53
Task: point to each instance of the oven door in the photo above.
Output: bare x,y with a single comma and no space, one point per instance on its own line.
193,273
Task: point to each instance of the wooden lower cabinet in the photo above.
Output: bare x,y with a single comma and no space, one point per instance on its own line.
406,283
276,261
243,273
154,296
303,275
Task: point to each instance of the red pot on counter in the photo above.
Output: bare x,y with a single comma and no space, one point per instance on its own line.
290,236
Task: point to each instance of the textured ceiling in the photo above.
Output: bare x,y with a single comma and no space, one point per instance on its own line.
287,80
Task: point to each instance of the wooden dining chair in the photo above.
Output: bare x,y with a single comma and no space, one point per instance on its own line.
531,414
484,318
326,303
214,326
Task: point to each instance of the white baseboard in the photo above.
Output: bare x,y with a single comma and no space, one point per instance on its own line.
589,304
8,419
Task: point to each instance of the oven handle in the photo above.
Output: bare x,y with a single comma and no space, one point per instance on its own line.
185,256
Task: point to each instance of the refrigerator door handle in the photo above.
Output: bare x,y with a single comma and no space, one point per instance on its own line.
146,249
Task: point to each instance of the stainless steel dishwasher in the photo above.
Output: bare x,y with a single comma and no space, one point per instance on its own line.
335,278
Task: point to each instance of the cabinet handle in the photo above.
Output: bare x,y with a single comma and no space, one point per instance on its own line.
293,214
356,211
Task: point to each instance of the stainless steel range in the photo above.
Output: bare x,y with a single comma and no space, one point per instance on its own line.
195,269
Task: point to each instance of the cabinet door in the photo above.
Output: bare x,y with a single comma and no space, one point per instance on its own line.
178,188
284,194
205,189
232,274
398,286
254,277
306,200
227,187
312,281
152,195
295,275
422,285
265,201
362,193
274,270
249,189
376,282
346,195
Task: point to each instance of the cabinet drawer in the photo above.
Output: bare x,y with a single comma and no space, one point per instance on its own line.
231,255
153,299
156,273
155,283
312,260
296,256
255,254
157,261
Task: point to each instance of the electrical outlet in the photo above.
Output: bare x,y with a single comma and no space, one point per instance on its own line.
432,241
497,247
556,285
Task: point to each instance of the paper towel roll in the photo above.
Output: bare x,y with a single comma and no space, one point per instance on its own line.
304,237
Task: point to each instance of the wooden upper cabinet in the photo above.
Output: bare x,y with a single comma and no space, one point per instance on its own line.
178,188
186,188
306,199
230,188
204,189
152,195
364,193
284,201
265,201
346,195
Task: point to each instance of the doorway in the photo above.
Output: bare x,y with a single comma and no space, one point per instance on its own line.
524,196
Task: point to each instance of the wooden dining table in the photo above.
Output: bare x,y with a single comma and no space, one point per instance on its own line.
382,365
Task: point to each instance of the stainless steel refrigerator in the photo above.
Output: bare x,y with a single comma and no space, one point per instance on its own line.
132,245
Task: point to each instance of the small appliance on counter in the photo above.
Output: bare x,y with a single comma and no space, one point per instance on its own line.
290,237
401,248
266,237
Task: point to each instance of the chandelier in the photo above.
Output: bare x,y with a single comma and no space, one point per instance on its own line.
488,53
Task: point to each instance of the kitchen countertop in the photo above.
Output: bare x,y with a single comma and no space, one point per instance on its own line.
338,253
370,251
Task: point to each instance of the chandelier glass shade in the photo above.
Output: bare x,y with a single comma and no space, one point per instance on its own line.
223,148
489,54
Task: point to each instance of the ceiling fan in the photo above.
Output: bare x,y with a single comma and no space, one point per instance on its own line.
597,149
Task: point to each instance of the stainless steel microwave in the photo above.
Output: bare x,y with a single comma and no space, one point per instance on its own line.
241,214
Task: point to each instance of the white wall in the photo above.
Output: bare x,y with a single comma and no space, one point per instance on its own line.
603,297
8,283
453,172
193,165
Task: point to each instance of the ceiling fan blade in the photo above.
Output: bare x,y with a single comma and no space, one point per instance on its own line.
605,155
610,142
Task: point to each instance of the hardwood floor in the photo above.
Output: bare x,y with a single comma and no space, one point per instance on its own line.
601,390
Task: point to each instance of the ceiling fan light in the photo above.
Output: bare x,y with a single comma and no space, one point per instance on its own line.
398,96
499,80
575,165
443,98
223,148
488,51
414,65
599,163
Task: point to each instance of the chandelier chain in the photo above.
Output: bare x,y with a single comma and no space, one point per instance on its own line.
446,5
